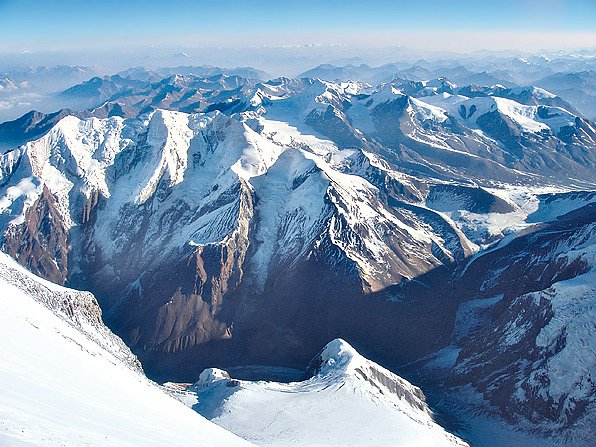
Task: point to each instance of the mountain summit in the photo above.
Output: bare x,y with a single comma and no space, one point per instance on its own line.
348,401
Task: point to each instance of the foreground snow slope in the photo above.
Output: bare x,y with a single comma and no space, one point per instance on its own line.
66,380
350,401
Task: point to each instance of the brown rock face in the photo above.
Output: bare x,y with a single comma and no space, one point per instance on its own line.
186,300
41,242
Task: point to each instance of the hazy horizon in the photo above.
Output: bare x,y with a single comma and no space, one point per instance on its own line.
281,39
288,60
68,27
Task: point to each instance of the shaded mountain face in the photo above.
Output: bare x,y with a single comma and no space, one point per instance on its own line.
521,336
279,215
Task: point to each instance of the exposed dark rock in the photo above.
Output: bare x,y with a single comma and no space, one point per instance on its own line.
41,242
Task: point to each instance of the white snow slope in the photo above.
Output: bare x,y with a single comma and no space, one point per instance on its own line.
60,387
351,401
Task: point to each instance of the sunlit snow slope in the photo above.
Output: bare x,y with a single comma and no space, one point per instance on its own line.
350,401
66,380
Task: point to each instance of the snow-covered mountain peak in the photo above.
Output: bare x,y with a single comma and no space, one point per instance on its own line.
355,87
526,118
535,91
340,363
339,354
387,93
86,147
441,84
168,137
346,403
210,376
74,156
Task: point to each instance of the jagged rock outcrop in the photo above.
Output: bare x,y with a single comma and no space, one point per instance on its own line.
41,241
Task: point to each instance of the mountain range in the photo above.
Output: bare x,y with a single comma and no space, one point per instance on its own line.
222,220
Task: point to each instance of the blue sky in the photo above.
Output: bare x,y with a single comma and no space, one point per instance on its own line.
46,24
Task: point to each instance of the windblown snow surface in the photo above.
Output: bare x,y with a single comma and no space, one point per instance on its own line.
65,380
350,401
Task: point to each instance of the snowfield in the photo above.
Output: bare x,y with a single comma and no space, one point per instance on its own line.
350,401
59,387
